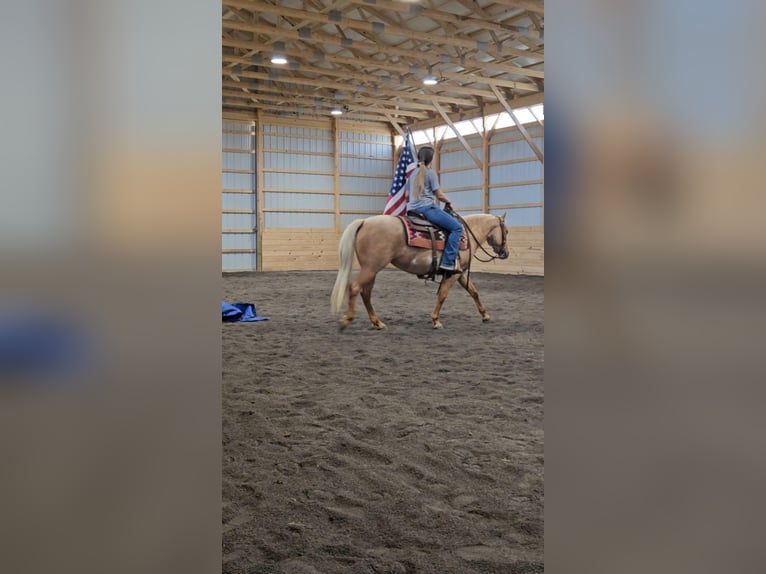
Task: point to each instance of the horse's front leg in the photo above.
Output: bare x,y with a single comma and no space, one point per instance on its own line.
471,288
444,288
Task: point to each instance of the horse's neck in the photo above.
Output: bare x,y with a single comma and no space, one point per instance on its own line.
481,225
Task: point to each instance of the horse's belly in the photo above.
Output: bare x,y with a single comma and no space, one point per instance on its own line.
416,261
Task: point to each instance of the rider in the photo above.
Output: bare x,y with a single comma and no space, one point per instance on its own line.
423,188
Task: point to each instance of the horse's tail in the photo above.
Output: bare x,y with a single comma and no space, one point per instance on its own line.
346,259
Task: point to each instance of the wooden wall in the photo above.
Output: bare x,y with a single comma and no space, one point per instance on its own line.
300,249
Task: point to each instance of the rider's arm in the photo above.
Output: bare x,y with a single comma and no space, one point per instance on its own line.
440,196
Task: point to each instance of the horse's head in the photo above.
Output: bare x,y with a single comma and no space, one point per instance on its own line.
498,237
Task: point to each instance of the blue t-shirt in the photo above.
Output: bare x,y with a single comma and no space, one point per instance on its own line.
430,185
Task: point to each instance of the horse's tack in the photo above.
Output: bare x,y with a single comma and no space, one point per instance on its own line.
421,233
415,228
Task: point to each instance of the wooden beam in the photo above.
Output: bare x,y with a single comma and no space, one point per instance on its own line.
490,109
400,107
448,17
303,111
274,99
420,59
485,167
354,64
335,85
320,37
397,127
460,137
519,125
409,80
259,183
530,5
364,26
336,170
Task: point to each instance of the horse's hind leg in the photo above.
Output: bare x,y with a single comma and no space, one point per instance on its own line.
362,284
444,288
353,291
367,298
471,288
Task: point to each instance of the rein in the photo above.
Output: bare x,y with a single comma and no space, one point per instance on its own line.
492,257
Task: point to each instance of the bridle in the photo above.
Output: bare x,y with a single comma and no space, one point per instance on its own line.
497,254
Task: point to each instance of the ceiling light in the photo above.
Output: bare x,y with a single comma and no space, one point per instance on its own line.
430,79
336,111
278,56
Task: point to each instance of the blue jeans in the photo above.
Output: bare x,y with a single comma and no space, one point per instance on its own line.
438,216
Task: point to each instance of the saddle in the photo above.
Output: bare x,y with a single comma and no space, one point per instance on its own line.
423,234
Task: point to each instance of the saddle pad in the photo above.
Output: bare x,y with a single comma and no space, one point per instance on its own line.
418,235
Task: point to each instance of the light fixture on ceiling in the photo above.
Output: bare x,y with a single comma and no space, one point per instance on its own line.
430,79
278,55
336,111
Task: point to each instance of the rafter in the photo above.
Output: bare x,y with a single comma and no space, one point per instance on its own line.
401,105
302,111
242,92
417,58
363,26
335,86
371,55
529,5
519,125
462,140
400,70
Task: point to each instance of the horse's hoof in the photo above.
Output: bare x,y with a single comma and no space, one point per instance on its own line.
438,325
485,319
380,325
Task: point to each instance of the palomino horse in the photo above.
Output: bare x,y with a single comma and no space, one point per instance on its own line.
380,240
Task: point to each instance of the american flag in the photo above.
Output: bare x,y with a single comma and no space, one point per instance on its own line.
397,198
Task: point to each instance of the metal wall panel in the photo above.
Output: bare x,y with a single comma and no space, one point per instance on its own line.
238,141
459,158
362,202
299,220
382,167
238,201
274,160
367,149
516,171
351,184
238,181
521,217
238,261
464,178
238,221
513,150
276,200
238,161
463,199
238,241
516,194
299,181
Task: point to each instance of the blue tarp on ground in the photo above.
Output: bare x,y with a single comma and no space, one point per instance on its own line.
241,312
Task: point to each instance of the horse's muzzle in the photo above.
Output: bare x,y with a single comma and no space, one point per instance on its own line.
503,254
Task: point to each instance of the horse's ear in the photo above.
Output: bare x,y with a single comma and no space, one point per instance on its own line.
502,217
